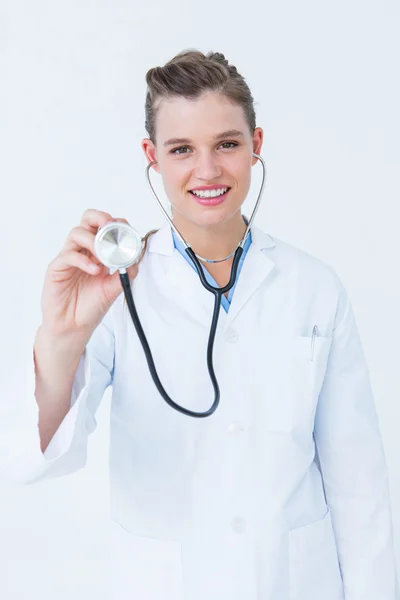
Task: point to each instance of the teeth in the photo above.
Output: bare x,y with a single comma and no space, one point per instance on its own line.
209,193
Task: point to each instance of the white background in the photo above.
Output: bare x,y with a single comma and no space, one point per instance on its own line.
325,81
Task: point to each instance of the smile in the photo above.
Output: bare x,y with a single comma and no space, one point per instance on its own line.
211,197
210,193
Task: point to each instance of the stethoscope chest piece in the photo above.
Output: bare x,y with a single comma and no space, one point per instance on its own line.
118,245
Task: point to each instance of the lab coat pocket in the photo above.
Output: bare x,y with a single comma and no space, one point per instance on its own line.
310,355
145,567
314,565
295,367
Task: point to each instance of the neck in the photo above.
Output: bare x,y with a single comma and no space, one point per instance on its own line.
213,242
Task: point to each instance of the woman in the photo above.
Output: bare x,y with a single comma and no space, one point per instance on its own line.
282,493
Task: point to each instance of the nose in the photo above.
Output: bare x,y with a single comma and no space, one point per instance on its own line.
207,167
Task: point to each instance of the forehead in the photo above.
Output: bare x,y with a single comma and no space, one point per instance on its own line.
199,118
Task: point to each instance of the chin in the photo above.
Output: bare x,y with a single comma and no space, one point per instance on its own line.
204,216
215,216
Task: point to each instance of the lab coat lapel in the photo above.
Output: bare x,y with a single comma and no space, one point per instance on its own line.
256,267
180,281
183,283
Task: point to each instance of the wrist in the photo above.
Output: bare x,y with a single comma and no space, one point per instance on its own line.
53,345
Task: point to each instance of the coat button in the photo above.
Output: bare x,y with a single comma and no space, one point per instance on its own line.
238,524
231,336
235,427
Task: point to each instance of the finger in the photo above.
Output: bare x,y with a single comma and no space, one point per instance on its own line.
93,219
72,258
80,238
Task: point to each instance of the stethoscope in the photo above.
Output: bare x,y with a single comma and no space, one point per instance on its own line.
118,246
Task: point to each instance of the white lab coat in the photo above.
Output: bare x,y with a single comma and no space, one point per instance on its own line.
282,494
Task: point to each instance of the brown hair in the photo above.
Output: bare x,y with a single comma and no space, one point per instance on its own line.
145,239
189,74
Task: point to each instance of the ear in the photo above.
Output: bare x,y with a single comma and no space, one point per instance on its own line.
257,143
149,150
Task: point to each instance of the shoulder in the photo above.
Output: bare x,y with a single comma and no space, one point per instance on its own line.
293,261
314,283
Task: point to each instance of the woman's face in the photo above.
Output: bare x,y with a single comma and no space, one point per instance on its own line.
203,142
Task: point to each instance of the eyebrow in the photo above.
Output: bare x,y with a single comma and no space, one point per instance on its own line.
220,136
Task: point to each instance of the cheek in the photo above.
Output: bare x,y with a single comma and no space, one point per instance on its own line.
175,177
243,178
241,170
169,177
175,186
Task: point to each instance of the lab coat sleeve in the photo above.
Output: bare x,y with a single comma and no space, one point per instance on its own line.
21,458
353,466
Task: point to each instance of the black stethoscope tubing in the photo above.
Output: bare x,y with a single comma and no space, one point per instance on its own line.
142,337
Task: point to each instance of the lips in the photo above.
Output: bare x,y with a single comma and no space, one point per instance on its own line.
210,201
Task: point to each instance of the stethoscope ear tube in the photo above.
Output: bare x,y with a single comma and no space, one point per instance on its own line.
126,285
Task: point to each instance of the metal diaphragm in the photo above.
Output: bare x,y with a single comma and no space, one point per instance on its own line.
118,245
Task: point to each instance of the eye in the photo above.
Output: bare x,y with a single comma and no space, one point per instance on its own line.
233,144
174,151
